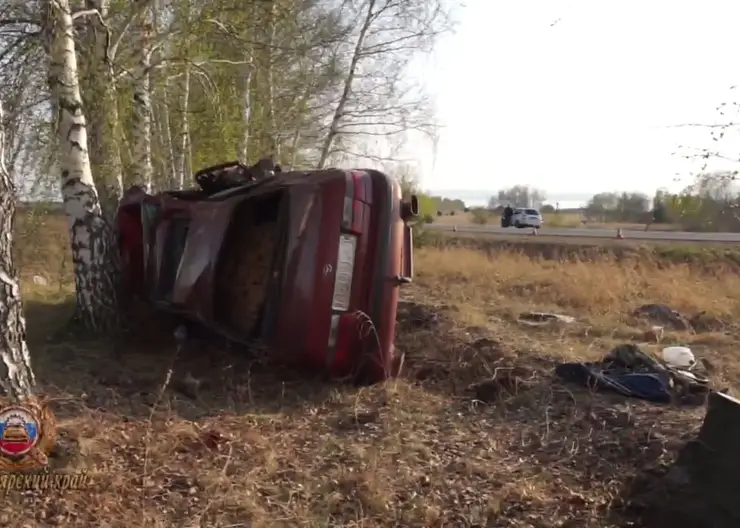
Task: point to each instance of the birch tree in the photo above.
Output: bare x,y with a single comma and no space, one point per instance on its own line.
246,110
97,51
183,152
142,169
375,99
94,254
272,132
16,376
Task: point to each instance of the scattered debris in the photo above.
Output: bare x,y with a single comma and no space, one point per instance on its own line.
663,314
38,280
679,357
703,322
630,372
544,318
654,335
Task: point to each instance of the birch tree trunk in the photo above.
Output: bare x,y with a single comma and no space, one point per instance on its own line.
243,148
167,146
142,114
294,148
100,101
16,376
298,121
183,161
271,119
94,255
347,90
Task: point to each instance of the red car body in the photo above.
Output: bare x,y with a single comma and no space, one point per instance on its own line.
309,263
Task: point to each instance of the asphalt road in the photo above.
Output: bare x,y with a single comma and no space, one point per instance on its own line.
594,233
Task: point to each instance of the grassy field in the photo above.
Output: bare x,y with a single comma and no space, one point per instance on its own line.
259,446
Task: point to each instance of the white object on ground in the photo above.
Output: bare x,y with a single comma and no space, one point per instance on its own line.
679,357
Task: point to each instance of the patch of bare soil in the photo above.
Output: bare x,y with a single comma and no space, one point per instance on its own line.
477,431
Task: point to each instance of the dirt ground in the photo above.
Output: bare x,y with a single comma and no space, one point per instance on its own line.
260,446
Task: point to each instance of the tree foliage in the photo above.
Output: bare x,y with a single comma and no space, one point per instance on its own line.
480,216
710,203
518,196
175,85
618,207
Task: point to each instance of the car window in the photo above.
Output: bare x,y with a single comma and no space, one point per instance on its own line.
532,212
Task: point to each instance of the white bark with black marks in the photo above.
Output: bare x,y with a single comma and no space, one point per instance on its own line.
243,148
271,117
165,133
142,113
183,161
16,376
94,253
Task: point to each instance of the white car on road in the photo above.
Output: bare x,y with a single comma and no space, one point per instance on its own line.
526,218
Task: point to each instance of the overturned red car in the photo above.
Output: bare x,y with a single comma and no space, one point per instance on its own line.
308,262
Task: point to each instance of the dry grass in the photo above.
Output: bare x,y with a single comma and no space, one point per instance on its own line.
262,447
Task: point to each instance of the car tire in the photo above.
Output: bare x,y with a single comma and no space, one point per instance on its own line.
517,224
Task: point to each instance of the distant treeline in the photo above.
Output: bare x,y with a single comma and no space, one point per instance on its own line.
711,203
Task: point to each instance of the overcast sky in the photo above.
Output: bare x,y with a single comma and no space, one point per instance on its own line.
578,96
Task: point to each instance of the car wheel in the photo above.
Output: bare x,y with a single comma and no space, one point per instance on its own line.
517,224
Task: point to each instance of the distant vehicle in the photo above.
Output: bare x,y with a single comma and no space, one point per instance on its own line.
526,218
309,263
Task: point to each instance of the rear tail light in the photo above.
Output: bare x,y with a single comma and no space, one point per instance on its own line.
357,194
343,338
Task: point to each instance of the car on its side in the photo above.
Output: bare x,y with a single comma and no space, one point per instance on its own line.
526,218
307,262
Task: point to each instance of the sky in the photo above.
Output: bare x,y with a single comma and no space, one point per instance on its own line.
579,96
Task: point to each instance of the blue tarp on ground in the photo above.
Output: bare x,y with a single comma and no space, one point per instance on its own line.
627,370
655,387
